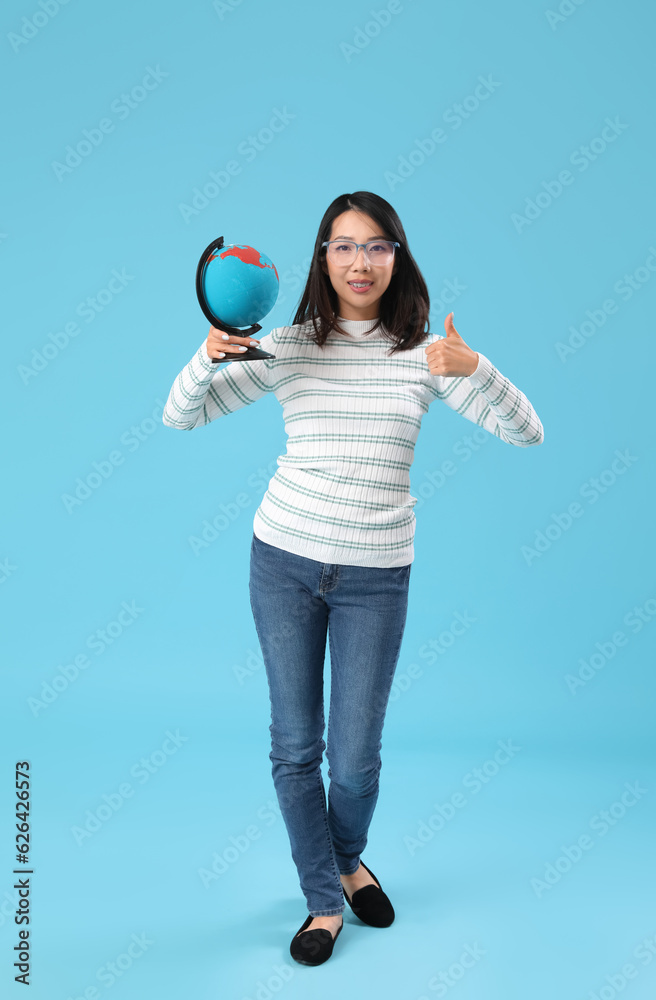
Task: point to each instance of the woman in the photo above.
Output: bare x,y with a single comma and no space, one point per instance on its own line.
332,541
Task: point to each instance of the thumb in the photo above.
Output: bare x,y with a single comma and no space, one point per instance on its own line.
449,327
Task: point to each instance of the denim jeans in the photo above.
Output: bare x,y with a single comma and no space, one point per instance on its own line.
296,602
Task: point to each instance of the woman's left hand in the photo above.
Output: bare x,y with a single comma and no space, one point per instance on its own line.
450,355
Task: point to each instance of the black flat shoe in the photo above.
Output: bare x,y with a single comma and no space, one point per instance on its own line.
371,904
314,946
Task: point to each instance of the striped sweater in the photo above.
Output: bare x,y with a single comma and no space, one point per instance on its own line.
341,492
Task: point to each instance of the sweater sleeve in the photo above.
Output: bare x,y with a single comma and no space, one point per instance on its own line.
204,391
489,399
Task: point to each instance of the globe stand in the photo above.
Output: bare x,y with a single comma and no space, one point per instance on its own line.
251,353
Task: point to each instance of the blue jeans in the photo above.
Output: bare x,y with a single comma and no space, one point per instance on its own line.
296,602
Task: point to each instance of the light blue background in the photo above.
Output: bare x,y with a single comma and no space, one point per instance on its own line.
189,662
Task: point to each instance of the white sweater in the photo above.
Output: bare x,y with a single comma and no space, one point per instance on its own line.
341,492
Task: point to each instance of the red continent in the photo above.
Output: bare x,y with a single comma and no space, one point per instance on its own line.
247,255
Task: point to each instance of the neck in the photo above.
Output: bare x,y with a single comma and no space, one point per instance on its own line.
356,327
348,312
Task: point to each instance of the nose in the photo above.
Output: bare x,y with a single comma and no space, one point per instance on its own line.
365,259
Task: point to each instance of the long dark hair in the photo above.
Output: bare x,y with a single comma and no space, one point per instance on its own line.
405,303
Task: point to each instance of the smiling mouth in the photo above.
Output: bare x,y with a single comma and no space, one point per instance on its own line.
360,284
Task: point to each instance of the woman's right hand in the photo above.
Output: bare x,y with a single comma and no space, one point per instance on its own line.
216,346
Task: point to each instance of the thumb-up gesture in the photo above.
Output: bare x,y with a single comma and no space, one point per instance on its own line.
450,355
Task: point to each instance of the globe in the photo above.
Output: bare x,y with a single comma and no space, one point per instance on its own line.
239,283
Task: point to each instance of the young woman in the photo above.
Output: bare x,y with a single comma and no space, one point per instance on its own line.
333,539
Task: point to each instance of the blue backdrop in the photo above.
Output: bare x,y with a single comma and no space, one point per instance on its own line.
514,829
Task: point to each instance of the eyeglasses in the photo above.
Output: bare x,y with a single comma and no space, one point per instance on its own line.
379,252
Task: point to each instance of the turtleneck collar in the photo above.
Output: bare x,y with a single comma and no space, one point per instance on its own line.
355,327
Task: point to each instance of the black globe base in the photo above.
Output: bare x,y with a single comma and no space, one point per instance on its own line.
250,354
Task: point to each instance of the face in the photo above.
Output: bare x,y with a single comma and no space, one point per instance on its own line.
354,225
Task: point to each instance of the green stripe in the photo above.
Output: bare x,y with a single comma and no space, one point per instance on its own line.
360,460
327,519
331,414
381,484
373,438
330,540
326,497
